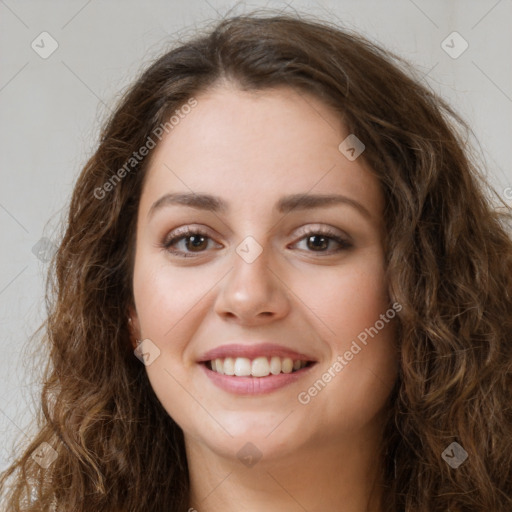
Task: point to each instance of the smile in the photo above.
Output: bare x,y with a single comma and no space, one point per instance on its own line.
254,368
261,366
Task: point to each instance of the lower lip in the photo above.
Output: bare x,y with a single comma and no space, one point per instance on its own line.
254,385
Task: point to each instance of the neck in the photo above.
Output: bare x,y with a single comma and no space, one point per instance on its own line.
324,476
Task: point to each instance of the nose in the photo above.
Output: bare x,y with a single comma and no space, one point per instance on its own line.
252,293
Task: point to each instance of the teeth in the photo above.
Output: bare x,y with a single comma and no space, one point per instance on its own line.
242,367
287,365
275,365
229,366
219,366
259,367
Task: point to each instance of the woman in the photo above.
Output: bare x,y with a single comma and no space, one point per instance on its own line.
282,287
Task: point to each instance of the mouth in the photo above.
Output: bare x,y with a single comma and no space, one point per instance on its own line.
258,367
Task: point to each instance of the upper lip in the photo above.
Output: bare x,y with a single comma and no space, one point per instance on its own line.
253,351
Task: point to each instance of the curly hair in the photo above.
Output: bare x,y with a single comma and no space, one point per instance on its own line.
448,255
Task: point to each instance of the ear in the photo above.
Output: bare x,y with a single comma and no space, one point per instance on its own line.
133,326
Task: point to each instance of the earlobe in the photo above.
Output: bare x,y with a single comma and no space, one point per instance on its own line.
133,327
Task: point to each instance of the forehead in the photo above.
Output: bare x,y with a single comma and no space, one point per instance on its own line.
256,146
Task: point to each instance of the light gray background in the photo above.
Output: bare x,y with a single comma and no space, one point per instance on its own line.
51,111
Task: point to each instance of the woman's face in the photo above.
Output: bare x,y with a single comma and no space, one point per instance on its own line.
269,275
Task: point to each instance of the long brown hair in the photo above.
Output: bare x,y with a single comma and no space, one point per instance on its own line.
449,263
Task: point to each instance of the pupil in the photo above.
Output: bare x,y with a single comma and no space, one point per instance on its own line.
322,245
196,241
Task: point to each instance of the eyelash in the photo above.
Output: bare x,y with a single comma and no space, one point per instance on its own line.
184,233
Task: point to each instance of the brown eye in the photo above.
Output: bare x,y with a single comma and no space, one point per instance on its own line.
325,243
196,242
317,242
185,242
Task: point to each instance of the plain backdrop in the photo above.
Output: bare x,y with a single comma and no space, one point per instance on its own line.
51,108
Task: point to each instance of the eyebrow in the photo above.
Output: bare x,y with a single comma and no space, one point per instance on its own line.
285,204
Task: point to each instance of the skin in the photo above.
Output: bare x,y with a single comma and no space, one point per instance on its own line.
250,149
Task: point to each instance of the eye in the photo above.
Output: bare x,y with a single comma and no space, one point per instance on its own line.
191,240
188,243
320,239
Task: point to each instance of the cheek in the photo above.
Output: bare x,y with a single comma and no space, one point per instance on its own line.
355,320
170,302
165,295
347,300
